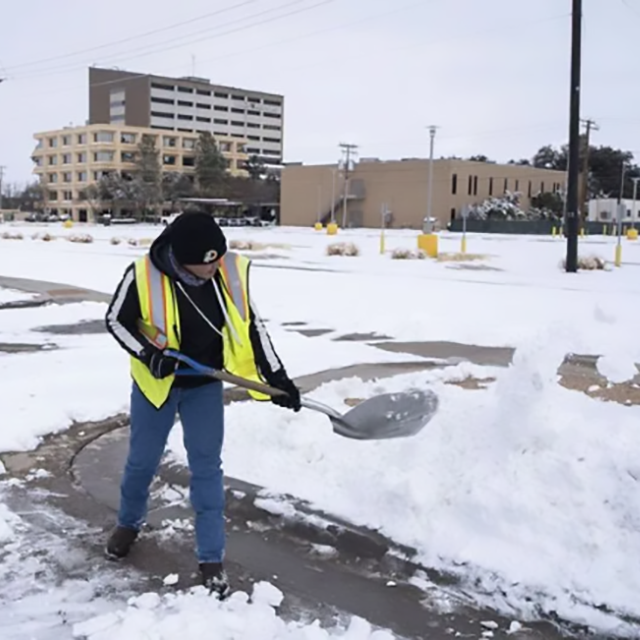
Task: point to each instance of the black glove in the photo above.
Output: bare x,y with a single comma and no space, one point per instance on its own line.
160,364
292,399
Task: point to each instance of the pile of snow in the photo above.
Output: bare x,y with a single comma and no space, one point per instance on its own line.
617,367
525,487
193,615
12,295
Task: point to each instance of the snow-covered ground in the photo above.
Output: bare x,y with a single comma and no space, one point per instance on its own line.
100,603
12,295
523,487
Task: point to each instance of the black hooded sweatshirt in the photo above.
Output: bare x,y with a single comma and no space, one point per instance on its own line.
198,339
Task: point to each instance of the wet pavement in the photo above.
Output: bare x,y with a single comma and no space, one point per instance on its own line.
86,327
23,347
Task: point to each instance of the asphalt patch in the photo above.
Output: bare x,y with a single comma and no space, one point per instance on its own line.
85,327
23,347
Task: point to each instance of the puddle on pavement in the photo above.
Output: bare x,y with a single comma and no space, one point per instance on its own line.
361,337
23,347
81,328
313,333
24,304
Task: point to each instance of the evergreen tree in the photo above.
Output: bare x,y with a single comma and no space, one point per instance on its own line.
211,165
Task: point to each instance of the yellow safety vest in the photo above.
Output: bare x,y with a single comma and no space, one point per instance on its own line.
160,323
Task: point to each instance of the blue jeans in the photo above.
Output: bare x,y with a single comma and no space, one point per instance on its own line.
201,412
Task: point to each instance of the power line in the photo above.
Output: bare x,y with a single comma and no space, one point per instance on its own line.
138,36
503,30
305,36
151,49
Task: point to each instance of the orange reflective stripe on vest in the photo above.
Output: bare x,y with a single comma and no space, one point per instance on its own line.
157,304
229,268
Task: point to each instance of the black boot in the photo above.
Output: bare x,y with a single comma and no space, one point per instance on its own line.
120,542
214,578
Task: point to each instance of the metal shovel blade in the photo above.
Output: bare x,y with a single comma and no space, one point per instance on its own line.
390,415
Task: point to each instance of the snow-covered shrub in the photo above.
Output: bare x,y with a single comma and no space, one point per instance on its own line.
408,254
246,245
12,236
47,237
115,241
506,207
343,249
588,263
133,242
83,238
460,257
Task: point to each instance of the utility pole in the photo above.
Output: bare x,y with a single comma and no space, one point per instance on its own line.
572,213
2,168
333,195
348,150
432,137
590,125
623,176
635,207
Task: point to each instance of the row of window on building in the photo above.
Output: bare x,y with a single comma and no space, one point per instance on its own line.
109,137
512,185
108,157
206,107
223,95
187,117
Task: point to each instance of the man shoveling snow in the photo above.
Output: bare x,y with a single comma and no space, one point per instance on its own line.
187,294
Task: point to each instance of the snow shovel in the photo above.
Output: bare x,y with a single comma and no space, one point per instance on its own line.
390,415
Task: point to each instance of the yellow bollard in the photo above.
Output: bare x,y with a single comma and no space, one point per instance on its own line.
632,234
318,226
428,242
382,243
67,224
332,229
553,232
463,244
582,232
604,229
618,260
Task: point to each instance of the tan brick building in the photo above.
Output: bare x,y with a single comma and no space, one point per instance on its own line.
68,160
308,191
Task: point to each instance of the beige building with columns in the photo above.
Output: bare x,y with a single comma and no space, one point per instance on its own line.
68,160
402,185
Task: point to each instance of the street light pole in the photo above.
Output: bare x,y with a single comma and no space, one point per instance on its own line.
432,136
572,213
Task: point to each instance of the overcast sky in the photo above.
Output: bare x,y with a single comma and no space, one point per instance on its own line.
493,74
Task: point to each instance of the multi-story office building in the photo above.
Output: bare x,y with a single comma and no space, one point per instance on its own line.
189,105
68,160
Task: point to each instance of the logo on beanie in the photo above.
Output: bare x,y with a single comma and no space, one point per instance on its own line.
210,256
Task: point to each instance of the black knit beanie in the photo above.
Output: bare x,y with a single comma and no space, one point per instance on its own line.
196,238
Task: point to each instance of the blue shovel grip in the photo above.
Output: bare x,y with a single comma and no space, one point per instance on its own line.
196,369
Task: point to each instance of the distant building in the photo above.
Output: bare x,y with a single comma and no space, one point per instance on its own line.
189,105
68,160
308,192
606,210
